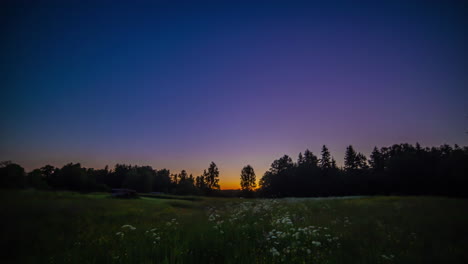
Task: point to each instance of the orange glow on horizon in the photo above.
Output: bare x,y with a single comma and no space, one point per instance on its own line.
229,178
229,185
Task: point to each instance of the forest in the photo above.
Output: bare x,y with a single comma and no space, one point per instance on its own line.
400,169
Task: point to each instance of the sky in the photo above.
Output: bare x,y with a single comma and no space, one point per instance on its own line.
177,85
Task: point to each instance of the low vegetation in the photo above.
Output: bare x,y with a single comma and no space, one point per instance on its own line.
67,227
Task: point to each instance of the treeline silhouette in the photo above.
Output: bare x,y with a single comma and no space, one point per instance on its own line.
401,169
143,179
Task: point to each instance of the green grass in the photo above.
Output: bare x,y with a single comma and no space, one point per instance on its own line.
65,227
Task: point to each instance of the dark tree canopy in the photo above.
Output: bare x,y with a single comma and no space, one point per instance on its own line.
12,175
212,177
248,180
325,161
398,169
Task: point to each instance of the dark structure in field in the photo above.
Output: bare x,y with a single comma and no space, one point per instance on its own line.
124,193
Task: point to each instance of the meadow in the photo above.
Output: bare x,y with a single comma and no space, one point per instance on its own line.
67,227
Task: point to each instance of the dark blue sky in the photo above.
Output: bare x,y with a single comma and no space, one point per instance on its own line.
179,84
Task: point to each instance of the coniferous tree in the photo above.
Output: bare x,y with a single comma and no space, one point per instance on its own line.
310,159
351,159
325,161
361,161
333,164
377,162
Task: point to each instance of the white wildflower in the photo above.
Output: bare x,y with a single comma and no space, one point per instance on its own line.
316,243
129,227
274,251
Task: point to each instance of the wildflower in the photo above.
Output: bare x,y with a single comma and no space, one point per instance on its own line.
129,227
316,243
274,251
389,257
296,235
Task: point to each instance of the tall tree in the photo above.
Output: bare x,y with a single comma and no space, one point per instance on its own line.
355,160
377,161
117,177
162,181
74,177
200,182
361,161
300,159
279,178
333,164
183,176
175,178
12,175
351,159
48,173
325,161
310,158
248,181
36,180
212,177
282,164
185,184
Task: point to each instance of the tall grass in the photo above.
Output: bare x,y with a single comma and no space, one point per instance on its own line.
64,227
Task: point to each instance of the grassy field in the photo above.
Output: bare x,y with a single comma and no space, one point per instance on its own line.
64,227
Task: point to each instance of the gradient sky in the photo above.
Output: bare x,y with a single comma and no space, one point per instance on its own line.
180,84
